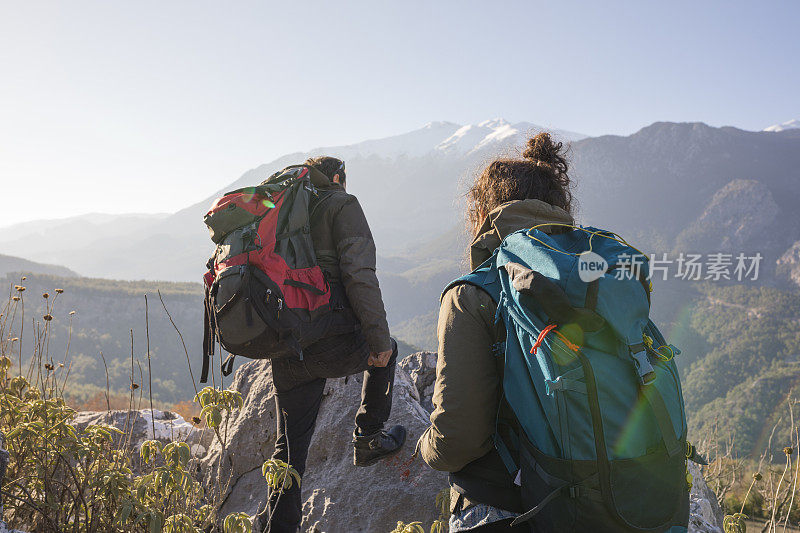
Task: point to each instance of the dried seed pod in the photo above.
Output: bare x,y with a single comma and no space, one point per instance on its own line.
788,450
757,476
48,317
45,296
134,386
59,291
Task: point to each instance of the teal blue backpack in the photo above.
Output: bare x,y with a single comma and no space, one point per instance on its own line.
599,442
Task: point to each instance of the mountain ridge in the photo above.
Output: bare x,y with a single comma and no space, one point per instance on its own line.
11,264
783,126
413,199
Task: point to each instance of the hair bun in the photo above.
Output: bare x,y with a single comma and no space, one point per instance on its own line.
542,150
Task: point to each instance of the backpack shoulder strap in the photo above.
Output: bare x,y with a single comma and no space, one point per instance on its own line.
484,277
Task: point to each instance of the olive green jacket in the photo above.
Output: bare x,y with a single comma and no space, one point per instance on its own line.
466,394
346,251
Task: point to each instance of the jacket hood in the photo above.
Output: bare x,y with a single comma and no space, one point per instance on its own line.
321,181
318,179
510,217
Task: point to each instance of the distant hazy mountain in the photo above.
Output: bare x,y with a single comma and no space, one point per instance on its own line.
670,187
447,137
789,125
661,179
408,185
82,242
9,264
665,187
498,132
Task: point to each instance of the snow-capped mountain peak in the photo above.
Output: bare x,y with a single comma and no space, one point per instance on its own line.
447,137
493,123
476,137
440,124
789,125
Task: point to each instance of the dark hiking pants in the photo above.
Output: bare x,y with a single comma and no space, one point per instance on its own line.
298,394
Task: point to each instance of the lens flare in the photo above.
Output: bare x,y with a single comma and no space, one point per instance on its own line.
628,441
268,204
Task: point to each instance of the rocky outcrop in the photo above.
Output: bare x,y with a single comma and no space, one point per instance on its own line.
705,514
145,424
788,265
421,368
338,496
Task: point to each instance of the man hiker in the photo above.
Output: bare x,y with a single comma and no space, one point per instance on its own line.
346,252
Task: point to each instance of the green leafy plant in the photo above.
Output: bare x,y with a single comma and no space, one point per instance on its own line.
280,475
237,523
64,479
735,523
213,402
413,527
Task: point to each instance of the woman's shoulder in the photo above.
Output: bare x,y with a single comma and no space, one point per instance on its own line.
467,290
469,298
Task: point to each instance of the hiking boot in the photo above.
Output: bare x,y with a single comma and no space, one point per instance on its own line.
369,449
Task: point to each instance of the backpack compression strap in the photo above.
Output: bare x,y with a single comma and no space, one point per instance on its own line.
208,336
209,340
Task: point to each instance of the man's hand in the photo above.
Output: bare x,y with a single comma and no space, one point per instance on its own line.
379,358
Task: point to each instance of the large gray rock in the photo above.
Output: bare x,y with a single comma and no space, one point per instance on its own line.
338,496
421,368
142,425
705,513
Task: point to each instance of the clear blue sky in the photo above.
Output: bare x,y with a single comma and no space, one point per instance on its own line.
147,106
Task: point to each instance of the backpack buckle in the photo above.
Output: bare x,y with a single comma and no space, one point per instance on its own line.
644,368
554,385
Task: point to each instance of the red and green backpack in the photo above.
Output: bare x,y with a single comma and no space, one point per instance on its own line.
265,294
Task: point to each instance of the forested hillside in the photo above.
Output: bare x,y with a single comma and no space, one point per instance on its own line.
105,313
669,188
109,319
741,361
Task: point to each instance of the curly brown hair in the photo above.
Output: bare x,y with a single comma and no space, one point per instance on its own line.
541,174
